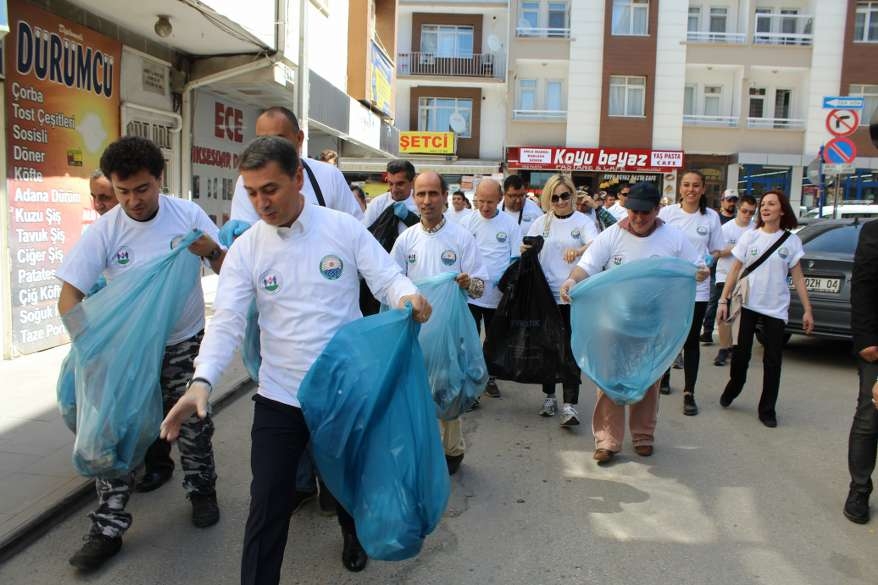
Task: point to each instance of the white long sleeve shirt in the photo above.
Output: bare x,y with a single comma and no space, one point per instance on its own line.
377,206
305,280
422,254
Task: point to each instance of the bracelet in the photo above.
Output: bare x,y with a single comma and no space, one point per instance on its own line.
723,301
200,379
215,253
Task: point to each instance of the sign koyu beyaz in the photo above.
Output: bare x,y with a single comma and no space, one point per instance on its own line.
593,159
62,110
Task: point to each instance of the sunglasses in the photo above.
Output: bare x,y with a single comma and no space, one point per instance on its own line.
561,197
747,211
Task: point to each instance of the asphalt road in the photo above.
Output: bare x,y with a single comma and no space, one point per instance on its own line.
724,500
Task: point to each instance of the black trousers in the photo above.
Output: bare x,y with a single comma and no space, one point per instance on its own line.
863,442
571,388
691,350
482,314
715,292
772,358
279,436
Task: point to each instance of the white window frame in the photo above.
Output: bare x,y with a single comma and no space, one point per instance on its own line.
763,97
713,96
535,11
714,13
625,82
870,92
869,10
692,90
627,28
694,12
566,14
546,104
533,84
424,104
456,30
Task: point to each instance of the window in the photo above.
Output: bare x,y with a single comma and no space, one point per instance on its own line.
870,92
712,96
530,15
757,102
627,95
866,23
763,24
782,100
718,18
836,240
527,94
558,15
788,21
694,22
630,17
434,114
553,96
689,100
447,41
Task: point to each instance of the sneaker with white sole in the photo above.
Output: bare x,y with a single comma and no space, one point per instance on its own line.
568,416
550,406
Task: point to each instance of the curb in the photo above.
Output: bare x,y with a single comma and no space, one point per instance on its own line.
77,497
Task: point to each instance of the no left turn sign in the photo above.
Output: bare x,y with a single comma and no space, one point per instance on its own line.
842,122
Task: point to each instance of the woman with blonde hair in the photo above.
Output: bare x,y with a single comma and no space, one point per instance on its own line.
566,234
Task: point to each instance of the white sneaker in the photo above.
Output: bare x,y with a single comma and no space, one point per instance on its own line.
568,416
550,406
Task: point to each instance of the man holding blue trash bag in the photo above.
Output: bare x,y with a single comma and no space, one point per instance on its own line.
640,235
301,263
144,226
430,248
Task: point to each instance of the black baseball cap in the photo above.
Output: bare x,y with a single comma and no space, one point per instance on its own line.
643,197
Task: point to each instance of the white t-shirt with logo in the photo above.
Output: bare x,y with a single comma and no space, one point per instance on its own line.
525,217
616,246
704,230
305,279
116,243
769,291
732,233
573,231
422,254
336,192
377,206
617,211
458,216
499,241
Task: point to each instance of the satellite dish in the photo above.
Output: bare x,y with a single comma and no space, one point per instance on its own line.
814,171
457,123
494,44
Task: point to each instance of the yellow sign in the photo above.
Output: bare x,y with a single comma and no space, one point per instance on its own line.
426,142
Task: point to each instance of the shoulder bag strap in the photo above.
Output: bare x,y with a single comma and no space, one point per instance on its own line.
314,184
765,255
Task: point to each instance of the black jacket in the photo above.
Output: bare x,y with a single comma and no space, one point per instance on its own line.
864,289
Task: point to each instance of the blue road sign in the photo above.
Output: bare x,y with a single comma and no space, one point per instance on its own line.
839,151
847,102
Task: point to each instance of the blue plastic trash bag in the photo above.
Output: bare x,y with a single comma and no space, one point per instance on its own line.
630,322
374,435
119,338
231,230
456,364
250,352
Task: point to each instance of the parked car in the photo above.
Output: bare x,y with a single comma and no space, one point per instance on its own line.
846,210
827,266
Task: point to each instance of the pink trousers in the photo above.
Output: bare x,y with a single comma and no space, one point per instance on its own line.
608,420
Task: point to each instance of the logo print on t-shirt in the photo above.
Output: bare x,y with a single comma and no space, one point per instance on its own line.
702,230
449,257
331,267
270,281
783,252
124,256
754,251
576,234
501,237
412,258
617,260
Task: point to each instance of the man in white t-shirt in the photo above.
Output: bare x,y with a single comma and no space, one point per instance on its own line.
732,231
640,235
499,240
431,247
517,205
618,208
400,178
141,228
459,210
301,265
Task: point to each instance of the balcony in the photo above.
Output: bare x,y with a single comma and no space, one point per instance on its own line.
711,121
527,32
726,38
777,123
539,115
783,29
479,65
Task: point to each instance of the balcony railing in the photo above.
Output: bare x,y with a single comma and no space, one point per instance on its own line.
528,32
714,121
783,29
486,65
728,38
539,115
782,123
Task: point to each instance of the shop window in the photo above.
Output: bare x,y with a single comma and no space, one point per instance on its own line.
627,96
630,17
435,114
866,22
870,93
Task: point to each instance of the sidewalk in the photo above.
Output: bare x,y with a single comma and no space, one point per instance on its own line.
37,479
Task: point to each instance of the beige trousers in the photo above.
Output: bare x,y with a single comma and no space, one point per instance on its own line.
451,433
608,421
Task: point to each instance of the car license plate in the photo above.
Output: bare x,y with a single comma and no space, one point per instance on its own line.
820,284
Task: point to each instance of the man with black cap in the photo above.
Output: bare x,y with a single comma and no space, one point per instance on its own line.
640,235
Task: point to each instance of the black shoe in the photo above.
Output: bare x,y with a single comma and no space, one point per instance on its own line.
96,550
475,404
689,406
664,388
706,338
353,557
205,510
856,507
725,401
326,501
770,421
301,498
721,356
453,462
153,480
492,389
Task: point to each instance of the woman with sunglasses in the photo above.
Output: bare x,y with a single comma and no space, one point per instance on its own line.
703,228
566,234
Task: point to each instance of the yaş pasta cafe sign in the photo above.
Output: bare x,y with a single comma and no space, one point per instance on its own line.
426,142
592,159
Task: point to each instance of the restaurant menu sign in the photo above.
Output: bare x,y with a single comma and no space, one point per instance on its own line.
62,110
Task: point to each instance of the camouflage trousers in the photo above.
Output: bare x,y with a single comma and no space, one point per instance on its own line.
195,445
